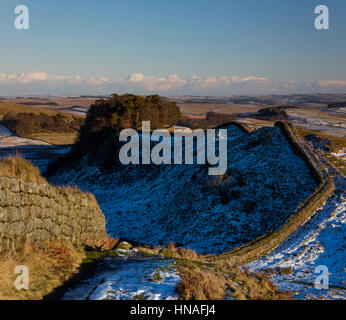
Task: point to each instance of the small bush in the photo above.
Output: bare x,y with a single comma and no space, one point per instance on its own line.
156,277
188,254
217,282
272,113
198,284
60,256
139,297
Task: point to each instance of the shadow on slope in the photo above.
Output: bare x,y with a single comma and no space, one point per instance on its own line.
265,181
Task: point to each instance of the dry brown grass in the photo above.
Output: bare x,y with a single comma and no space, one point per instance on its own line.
17,167
172,252
55,138
245,285
206,282
201,280
48,269
199,284
336,144
109,243
60,256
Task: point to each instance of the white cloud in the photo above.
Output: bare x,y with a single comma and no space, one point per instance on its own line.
328,83
43,83
152,83
26,77
136,77
252,78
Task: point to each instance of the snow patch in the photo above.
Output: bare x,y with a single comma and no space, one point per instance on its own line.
128,278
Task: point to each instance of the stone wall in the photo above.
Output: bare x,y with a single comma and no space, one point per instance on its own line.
39,213
265,244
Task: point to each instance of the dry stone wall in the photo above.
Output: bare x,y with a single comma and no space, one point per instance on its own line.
265,244
39,213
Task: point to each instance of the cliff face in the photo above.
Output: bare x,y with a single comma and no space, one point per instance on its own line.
38,213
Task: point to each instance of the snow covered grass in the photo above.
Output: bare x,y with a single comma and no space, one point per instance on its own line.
129,278
321,241
130,275
264,183
333,147
39,152
8,139
341,154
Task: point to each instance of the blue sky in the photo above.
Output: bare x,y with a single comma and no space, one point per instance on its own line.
194,40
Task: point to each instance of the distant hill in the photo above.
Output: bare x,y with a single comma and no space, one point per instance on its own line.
337,105
36,103
212,120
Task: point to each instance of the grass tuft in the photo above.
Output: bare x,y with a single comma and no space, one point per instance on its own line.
18,167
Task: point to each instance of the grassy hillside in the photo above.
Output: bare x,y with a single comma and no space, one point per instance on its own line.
329,145
55,138
7,107
53,135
